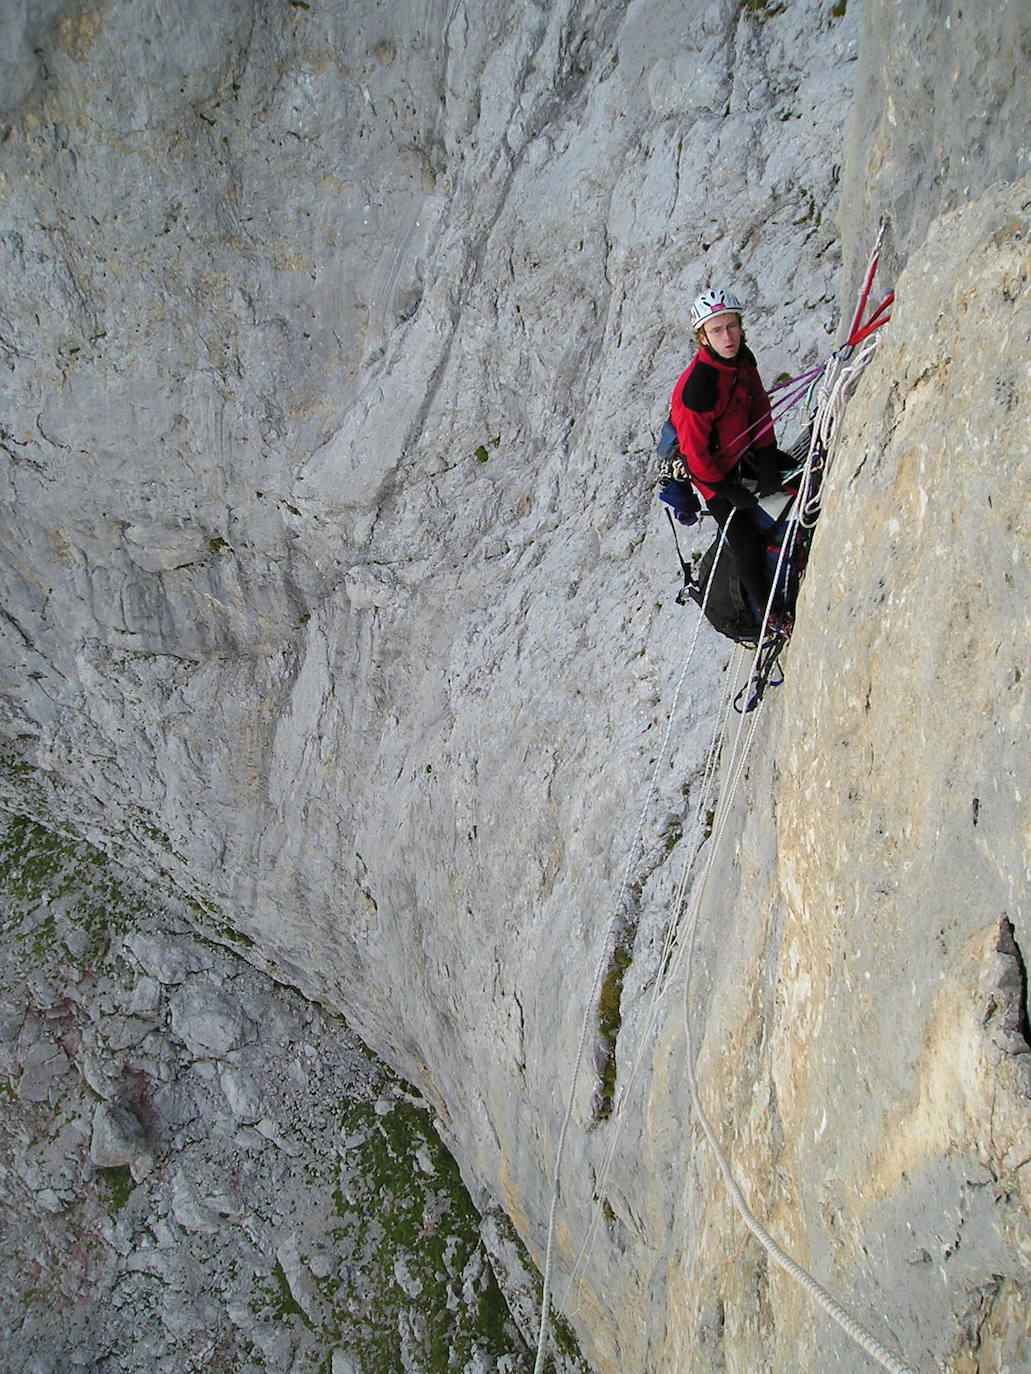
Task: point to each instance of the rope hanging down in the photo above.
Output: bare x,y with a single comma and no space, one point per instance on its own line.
669,962
833,383
556,1191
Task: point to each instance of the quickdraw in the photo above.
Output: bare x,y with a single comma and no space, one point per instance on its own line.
762,674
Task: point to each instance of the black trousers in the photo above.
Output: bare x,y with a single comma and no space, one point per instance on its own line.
748,546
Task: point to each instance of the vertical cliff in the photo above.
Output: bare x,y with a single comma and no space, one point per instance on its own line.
335,596
860,984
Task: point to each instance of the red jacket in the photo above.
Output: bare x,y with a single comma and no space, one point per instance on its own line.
720,410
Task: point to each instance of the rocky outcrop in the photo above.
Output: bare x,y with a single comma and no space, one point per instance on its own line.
333,596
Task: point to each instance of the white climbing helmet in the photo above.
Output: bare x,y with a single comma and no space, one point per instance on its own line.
710,303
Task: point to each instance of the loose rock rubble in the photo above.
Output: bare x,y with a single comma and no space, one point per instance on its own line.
202,1171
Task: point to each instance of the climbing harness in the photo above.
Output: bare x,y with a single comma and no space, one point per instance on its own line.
826,389
831,384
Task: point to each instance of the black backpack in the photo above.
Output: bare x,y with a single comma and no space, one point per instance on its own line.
726,605
724,601
716,587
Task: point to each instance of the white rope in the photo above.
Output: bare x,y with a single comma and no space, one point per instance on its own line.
671,956
685,953
832,395
592,1001
663,979
836,386
835,389
878,1352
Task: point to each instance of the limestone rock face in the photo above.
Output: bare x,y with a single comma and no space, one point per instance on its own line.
863,1042
334,592
939,98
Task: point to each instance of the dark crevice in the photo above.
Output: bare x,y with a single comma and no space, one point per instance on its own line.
16,625
1006,1014
609,1009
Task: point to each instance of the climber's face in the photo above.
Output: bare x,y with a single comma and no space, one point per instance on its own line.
723,334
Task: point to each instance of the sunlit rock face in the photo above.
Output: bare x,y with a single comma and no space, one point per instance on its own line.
864,1044
335,590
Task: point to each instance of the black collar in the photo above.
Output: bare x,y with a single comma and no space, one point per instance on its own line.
743,355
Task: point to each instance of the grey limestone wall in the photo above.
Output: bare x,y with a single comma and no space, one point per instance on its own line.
335,593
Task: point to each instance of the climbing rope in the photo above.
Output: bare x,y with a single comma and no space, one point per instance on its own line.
674,946
833,383
684,944
878,1352
832,386
660,985
556,1190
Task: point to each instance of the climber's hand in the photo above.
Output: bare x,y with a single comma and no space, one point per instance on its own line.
767,467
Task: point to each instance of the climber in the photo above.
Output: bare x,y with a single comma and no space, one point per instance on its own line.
721,413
